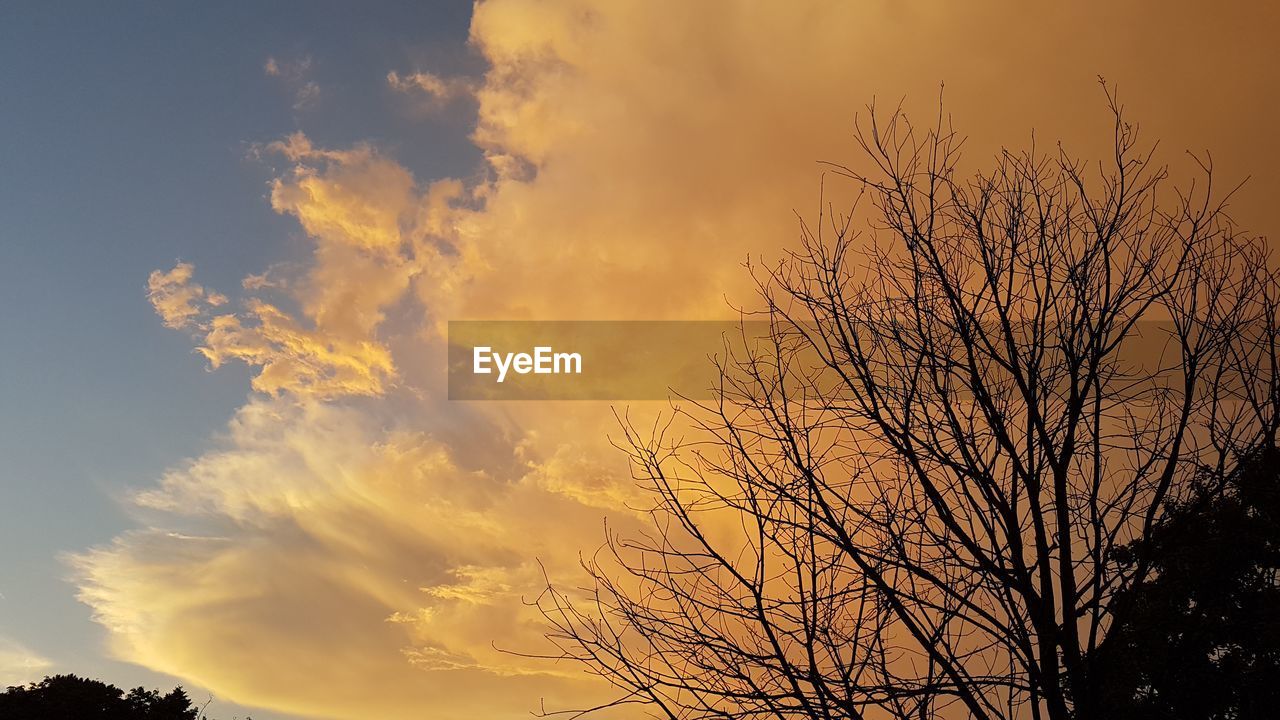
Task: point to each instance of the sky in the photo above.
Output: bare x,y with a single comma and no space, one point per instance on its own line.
231,236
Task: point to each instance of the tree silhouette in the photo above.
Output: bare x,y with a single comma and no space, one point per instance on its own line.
923,495
1201,639
68,697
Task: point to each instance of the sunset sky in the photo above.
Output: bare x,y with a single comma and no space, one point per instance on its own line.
231,236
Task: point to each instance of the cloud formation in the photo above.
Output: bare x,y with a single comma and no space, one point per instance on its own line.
328,568
359,209
356,544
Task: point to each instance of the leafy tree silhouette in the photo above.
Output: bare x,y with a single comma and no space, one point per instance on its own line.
69,697
1200,639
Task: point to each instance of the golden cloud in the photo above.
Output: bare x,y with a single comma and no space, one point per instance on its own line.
294,359
176,299
325,567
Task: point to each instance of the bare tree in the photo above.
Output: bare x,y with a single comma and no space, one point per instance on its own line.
905,501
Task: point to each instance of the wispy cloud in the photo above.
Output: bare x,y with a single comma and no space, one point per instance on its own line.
433,91
19,664
295,74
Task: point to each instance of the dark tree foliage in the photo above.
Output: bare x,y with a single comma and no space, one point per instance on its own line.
1200,640
68,697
